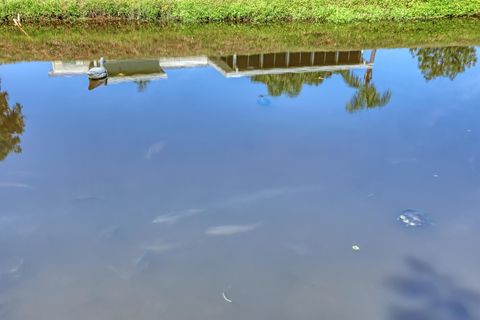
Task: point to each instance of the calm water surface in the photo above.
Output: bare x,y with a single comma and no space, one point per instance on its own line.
235,187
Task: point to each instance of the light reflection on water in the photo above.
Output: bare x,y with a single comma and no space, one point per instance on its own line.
187,198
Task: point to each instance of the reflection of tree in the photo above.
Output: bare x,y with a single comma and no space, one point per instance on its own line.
11,126
444,62
366,95
142,85
290,83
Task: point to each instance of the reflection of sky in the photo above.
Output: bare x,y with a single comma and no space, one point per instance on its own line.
199,113
317,178
470,87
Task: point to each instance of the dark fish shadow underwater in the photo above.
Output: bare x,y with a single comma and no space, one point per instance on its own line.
426,294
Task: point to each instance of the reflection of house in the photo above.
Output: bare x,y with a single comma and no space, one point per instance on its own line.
288,62
134,70
229,66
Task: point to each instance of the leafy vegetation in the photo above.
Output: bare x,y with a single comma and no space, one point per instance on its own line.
123,41
257,11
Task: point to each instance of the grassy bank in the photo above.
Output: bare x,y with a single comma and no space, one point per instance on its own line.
86,41
201,11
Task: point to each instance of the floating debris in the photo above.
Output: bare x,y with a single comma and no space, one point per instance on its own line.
355,247
263,100
224,295
436,176
414,218
225,298
228,230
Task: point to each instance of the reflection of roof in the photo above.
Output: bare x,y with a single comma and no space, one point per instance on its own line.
183,62
229,66
287,62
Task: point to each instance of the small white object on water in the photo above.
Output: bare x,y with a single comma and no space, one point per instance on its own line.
435,175
355,247
97,73
225,297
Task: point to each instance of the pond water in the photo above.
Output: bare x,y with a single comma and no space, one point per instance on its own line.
262,186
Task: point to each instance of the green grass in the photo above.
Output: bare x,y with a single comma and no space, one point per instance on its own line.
252,11
122,41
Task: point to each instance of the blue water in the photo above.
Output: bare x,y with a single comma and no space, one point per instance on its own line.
200,196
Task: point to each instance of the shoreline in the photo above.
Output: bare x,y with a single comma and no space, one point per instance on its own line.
127,41
237,11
